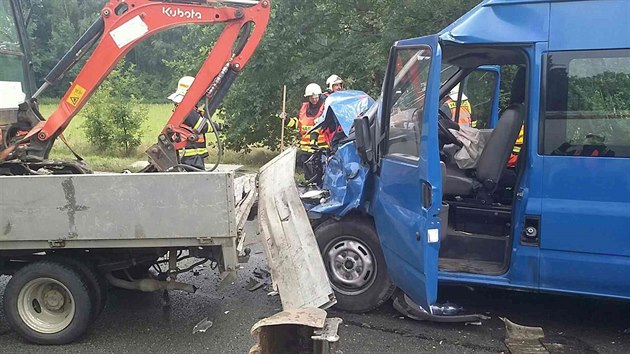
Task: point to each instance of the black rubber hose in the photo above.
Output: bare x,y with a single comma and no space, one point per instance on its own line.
218,138
185,167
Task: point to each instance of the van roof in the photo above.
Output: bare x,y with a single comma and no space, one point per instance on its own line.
575,24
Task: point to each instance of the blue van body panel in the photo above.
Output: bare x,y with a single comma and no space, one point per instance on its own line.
345,179
518,23
591,25
582,203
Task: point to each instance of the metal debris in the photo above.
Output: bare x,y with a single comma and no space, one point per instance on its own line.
297,331
254,284
525,340
202,326
522,339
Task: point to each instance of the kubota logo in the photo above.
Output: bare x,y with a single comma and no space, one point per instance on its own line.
170,12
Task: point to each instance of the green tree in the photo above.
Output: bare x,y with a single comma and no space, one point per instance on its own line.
114,115
305,42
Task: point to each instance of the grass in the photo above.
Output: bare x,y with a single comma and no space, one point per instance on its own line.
158,115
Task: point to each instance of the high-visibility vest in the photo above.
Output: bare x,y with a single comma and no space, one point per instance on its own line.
306,122
465,111
516,149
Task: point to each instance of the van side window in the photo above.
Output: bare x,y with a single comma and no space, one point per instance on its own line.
587,107
407,101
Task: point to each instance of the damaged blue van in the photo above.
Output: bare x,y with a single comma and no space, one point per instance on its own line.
401,212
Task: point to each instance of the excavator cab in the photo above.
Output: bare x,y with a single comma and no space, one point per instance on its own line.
16,78
14,51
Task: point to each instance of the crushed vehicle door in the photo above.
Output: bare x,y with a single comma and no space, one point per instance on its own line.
408,197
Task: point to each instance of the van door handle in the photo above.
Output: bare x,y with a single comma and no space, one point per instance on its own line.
427,195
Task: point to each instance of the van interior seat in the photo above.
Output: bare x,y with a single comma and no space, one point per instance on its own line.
493,160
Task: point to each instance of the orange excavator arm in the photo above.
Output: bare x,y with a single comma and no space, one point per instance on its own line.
124,24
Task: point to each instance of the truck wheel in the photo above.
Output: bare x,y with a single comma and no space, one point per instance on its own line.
48,303
97,285
355,264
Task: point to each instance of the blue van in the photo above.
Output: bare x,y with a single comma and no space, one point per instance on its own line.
545,204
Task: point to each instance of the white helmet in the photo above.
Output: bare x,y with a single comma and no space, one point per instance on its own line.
182,87
455,93
333,80
312,90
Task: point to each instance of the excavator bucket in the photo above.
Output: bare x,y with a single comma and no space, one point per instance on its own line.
297,267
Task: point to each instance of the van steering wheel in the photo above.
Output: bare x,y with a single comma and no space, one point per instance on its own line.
443,125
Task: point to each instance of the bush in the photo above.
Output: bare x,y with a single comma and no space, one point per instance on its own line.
114,116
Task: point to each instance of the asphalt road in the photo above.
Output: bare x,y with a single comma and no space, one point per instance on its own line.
136,322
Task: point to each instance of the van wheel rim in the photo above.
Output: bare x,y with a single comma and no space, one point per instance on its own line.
351,265
46,306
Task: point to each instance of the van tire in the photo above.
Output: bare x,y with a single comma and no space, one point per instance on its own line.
358,286
63,324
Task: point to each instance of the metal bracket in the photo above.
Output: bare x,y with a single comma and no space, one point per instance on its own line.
57,243
163,154
206,241
326,340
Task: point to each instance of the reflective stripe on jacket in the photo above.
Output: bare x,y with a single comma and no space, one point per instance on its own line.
194,152
516,149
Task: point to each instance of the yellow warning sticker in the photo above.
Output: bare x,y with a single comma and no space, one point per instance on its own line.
76,95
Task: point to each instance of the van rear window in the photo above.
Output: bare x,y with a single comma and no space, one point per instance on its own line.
587,104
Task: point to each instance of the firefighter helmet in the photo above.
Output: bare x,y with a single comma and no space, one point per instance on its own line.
312,90
333,80
182,87
455,93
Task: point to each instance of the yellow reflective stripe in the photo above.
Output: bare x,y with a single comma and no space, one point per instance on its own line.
452,105
307,148
199,121
516,149
292,122
194,152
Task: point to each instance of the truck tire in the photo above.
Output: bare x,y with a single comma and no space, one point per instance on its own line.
97,285
48,303
355,264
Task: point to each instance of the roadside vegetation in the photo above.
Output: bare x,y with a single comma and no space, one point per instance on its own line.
305,42
157,115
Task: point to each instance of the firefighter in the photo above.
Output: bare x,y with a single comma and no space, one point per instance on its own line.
516,149
333,84
449,107
195,152
309,112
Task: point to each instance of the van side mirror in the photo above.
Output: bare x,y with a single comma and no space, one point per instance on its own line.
363,139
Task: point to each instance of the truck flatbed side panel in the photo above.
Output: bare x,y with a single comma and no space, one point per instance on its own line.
158,209
296,264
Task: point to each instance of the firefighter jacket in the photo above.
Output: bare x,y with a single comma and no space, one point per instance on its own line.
516,149
198,123
305,122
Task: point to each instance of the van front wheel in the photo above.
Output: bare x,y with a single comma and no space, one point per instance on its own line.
355,264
